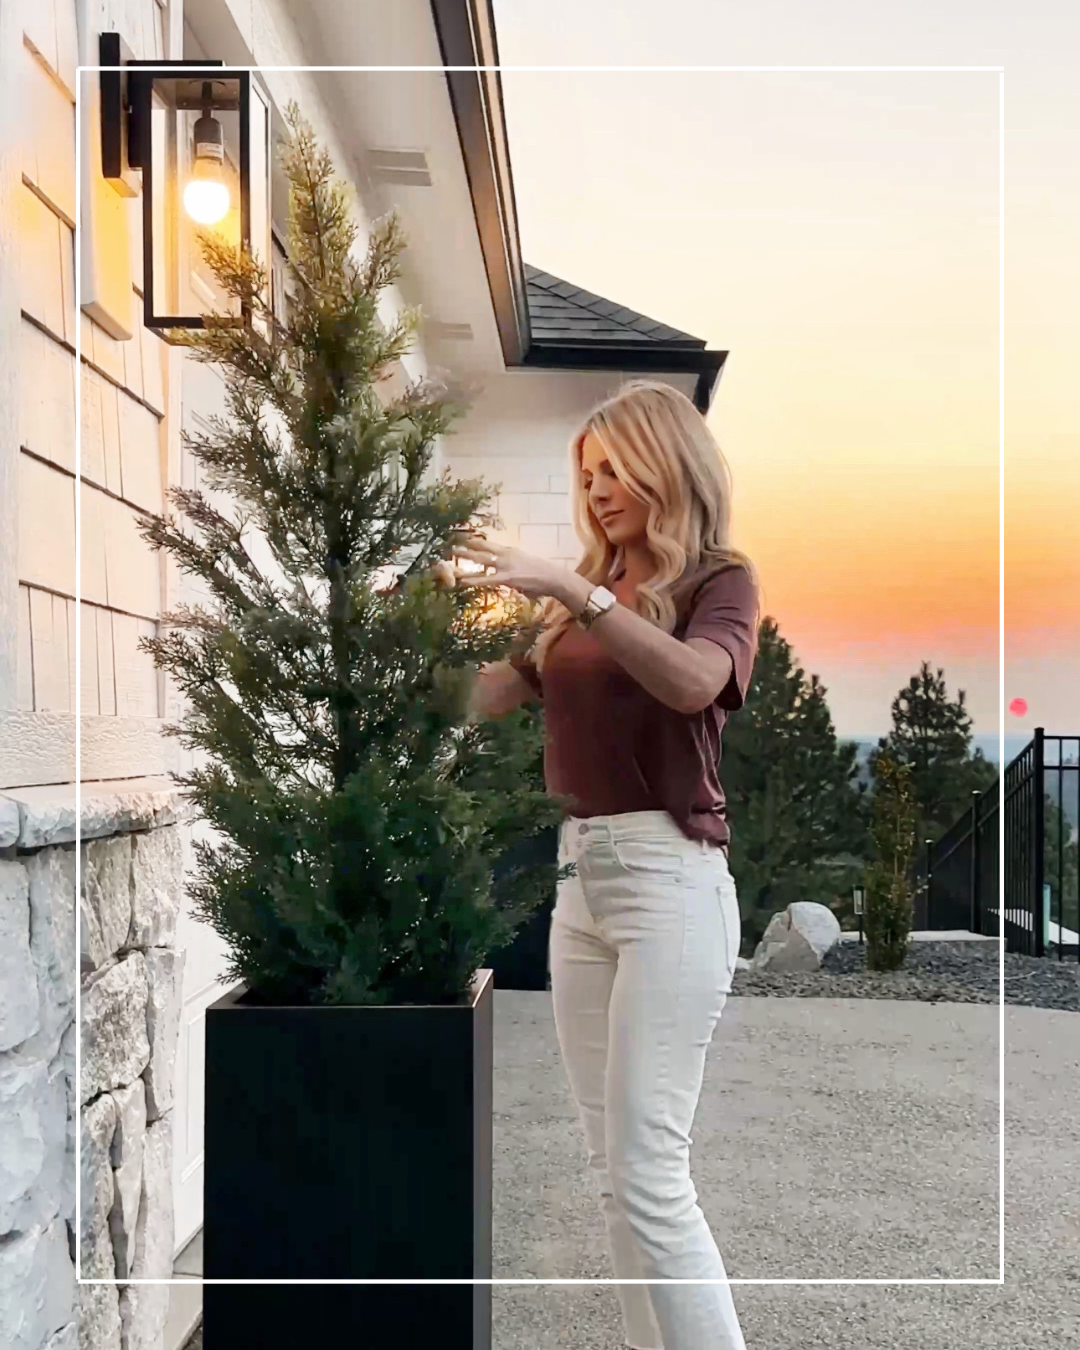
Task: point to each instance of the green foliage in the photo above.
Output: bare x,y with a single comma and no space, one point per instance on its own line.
357,810
1061,863
888,877
931,734
798,816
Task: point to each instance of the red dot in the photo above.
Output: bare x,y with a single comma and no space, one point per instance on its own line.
1018,707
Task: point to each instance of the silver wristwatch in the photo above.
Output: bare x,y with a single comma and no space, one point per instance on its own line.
599,602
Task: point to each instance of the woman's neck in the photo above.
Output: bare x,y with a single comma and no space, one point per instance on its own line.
636,566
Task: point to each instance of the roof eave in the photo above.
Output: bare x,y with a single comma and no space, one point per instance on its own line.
466,33
634,358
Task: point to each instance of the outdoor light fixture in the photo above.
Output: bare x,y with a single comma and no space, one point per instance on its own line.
858,895
197,137
206,196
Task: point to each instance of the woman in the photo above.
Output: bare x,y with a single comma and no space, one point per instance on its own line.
637,681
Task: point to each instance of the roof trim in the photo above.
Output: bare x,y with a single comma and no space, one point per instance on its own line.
635,358
466,33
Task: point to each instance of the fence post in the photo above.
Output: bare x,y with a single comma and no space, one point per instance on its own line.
976,906
929,845
1038,829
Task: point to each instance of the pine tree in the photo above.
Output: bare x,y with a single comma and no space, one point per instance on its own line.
889,904
358,810
931,734
795,807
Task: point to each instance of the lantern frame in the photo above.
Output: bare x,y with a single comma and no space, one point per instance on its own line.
127,144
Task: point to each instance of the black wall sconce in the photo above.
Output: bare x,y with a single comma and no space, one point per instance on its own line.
198,138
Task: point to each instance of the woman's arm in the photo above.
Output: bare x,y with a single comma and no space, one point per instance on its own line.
686,676
498,689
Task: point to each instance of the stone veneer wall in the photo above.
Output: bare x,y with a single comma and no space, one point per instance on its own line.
131,977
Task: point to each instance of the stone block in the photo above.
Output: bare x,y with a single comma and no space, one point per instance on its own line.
51,874
66,1061
127,1161
154,1235
165,972
19,999
99,1317
9,822
144,1309
115,1048
156,884
37,1288
107,891
67,1338
96,1186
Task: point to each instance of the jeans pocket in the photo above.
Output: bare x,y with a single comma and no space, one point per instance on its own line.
648,857
731,918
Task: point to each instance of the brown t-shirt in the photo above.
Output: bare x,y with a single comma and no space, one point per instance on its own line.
612,747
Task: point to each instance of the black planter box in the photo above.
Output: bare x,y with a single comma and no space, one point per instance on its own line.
523,963
348,1144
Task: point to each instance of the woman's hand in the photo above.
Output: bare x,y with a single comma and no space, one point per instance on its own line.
523,572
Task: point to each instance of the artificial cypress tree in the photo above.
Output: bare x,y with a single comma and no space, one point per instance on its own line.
358,811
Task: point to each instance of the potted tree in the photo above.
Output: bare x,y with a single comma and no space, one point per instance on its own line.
360,818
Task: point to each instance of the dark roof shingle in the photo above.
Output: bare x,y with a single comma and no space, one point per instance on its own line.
560,312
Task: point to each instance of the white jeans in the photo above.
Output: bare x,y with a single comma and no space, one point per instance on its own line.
643,946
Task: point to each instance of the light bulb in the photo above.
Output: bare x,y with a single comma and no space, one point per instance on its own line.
206,197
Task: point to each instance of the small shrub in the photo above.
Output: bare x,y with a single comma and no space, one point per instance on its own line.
888,877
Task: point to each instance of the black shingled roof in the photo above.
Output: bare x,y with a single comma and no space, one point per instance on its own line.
560,312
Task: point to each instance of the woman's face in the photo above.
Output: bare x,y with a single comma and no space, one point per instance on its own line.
622,517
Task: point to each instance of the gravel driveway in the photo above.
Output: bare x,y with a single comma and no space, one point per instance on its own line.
836,1139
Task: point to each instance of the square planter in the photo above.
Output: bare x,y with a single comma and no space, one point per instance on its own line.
349,1143
523,963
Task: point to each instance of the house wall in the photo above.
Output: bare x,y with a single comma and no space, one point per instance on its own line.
518,433
147,971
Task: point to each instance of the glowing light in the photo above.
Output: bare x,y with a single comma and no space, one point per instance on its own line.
1018,707
206,197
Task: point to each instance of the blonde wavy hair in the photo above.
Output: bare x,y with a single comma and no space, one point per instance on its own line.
663,453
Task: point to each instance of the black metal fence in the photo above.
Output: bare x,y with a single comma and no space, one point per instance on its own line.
959,876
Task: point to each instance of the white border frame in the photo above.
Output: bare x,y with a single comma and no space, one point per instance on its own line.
999,70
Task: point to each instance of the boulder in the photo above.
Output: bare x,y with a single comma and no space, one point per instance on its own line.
797,939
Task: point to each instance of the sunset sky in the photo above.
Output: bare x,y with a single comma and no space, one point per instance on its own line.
838,233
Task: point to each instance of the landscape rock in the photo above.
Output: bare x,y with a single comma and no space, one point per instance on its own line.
156,883
115,1048
19,1000
164,970
797,939
37,1287
107,892
127,1161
